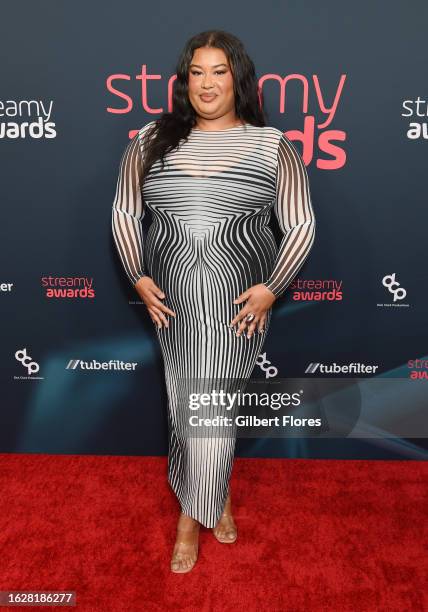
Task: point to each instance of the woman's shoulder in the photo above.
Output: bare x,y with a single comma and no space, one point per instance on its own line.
265,128
145,127
274,132
269,132
271,128
280,138
270,136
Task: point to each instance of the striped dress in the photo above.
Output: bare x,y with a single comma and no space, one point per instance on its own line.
208,242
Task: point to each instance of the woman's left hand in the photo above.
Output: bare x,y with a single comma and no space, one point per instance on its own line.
259,300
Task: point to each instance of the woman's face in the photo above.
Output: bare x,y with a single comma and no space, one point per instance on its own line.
211,84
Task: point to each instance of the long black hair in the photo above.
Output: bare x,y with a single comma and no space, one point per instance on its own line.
167,131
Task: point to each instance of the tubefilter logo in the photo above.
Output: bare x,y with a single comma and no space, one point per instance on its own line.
94,364
336,368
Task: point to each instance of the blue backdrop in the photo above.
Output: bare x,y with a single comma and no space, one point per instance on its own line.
81,367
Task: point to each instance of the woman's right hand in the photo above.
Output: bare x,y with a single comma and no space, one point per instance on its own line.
151,295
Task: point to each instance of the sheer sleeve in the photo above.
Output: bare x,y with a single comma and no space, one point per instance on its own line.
128,211
293,209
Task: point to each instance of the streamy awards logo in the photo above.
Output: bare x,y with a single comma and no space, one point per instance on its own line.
22,119
68,287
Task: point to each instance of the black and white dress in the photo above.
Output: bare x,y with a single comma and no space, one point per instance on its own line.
208,242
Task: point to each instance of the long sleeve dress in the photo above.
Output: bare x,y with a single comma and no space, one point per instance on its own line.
208,242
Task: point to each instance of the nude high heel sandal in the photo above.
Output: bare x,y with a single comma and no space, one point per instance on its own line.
180,556
226,540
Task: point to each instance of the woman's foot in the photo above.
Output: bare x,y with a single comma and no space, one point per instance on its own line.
225,531
185,551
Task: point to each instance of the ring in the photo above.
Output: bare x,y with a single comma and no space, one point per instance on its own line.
249,317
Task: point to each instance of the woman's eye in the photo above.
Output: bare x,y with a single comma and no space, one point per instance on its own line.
195,72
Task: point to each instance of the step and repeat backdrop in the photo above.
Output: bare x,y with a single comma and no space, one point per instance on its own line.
82,370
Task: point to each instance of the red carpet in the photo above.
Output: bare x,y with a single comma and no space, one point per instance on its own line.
314,535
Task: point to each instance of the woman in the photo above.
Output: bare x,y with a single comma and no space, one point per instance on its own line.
209,269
